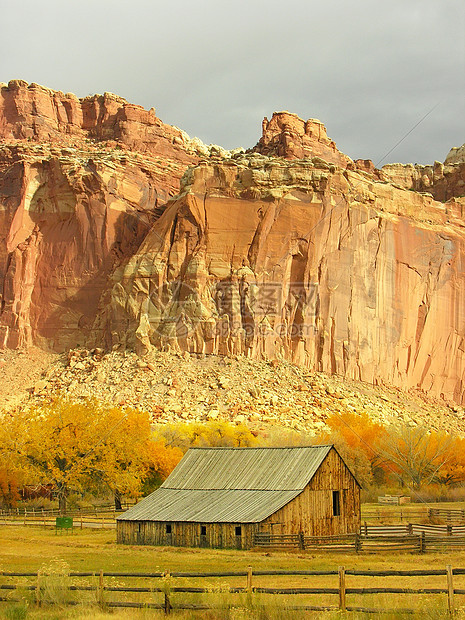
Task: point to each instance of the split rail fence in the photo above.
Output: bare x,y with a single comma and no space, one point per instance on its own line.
55,512
161,590
418,542
410,512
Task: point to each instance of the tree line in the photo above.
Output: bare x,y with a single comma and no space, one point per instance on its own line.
78,447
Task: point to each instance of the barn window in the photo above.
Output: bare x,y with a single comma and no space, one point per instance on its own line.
168,528
238,530
203,530
336,504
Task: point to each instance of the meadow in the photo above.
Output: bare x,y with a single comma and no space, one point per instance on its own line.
32,549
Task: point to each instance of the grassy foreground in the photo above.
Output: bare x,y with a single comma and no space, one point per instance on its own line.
30,549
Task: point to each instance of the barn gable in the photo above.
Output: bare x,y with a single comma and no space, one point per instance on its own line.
224,485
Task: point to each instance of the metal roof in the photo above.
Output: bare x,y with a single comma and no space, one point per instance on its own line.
212,506
232,485
277,469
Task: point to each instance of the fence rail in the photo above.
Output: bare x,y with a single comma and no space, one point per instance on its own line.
55,512
418,542
368,529
411,512
161,585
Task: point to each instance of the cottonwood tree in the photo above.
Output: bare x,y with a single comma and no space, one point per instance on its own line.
77,446
421,457
358,439
213,433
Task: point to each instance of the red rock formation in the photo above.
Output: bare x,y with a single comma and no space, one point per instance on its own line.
67,218
286,135
302,262
74,201
32,112
291,252
442,180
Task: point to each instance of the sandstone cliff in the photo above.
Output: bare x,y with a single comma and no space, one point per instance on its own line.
81,182
290,252
304,261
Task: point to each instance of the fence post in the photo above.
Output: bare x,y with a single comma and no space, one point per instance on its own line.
450,590
342,588
301,541
38,598
100,588
449,530
366,528
167,605
422,542
410,529
249,580
357,543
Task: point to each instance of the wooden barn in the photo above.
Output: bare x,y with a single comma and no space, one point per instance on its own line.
221,497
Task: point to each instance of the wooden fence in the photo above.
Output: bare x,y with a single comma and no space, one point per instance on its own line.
55,512
412,529
359,543
79,521
411,512
160,590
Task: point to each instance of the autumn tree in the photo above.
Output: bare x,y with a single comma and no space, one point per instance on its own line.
77,446
420,457
9,486
213,433
358,437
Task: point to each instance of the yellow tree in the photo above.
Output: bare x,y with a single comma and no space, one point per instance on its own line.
421,457
213,433
81,445
358,438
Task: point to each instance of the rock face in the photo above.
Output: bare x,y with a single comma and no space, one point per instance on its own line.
67,217
81,183
442,181
302,261
290,252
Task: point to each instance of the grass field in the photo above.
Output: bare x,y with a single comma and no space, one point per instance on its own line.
30,549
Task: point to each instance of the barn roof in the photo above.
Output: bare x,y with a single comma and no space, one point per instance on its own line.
230,485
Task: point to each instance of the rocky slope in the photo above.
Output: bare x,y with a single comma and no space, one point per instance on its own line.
266,396
120,232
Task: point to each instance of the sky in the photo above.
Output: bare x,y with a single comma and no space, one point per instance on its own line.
386,78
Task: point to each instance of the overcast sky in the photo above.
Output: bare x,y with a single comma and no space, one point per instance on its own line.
369,70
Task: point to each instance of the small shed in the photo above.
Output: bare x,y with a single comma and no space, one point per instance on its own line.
222,497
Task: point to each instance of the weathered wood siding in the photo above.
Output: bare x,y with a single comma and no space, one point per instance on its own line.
311,512
221,535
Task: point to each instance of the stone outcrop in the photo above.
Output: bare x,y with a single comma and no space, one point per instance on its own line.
442,180
34,113
287,135
302,261
81,183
